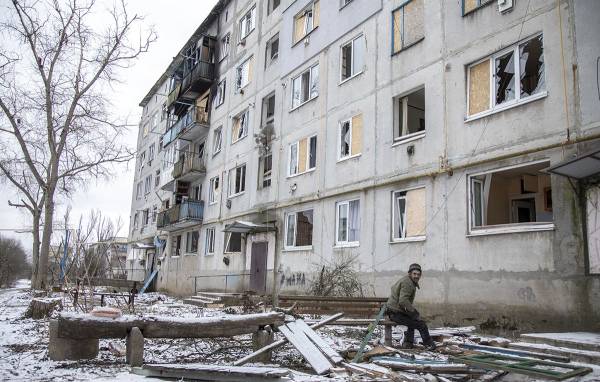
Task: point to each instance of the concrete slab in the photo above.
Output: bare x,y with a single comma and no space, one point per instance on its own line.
575,340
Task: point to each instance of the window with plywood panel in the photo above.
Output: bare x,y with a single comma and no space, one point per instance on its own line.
407,25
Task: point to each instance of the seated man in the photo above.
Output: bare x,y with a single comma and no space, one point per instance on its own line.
401,311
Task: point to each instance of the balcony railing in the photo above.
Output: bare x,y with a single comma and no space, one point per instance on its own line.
190,211
195,116
173,95
188,166
199,77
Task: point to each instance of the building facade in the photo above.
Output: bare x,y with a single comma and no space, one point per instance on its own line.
305,134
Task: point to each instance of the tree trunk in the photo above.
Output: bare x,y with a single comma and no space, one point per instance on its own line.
86,326
42,271
35,252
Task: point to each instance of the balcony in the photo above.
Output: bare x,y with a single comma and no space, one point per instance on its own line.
189,168
198,80
181,216
191,126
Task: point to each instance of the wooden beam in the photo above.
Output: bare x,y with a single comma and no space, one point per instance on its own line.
309,351
77,326
321,344
281,342
213,372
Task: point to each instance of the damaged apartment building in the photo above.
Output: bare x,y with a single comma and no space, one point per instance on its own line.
294,135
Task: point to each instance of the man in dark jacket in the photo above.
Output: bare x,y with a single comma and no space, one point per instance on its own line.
400,308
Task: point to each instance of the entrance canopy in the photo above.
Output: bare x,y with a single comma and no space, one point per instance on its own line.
240,226
140,245
582,167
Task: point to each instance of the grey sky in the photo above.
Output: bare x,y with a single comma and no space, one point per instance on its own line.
174,22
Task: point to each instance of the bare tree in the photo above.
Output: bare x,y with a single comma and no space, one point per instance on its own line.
56,123
13,262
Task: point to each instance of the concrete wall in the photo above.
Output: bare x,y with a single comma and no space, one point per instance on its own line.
506,278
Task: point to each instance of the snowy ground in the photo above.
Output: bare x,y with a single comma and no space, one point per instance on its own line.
24,345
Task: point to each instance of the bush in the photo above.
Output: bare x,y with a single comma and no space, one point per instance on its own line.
13,262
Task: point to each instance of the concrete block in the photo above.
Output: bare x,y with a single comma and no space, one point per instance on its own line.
260,339
135,347
62,349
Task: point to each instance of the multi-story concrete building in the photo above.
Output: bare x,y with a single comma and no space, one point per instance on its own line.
149,176
306,133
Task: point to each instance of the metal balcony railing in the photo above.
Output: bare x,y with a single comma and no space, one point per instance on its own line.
190,210
202,71
195,116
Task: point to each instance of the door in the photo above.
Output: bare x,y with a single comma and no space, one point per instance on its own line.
258,267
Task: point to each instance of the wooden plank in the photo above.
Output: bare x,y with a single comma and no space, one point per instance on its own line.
213,372
279,343
330,299
308,350
519,353
585,356
83,326
321,344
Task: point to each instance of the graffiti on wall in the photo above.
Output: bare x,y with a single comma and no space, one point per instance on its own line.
292,279
593,228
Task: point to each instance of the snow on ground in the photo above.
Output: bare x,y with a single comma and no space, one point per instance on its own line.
24,345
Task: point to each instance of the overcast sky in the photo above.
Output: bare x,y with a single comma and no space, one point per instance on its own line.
174,22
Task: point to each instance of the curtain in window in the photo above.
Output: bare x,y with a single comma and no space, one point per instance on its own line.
354,221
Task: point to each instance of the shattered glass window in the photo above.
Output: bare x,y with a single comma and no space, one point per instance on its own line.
531,63
505,78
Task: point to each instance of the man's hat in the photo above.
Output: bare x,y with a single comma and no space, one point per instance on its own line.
414,267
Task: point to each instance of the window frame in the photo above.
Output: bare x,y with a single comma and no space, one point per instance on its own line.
270,7
208,242
212,192
479,6
404,47
226,37
517,100
220,93
353,74
148,184
269,59
244,127
341,158
502,228
243,183
251,16
239,70
294,247
297,144
308,7
227,241
403,115
310,80
189,242
404,238
346,243
218,132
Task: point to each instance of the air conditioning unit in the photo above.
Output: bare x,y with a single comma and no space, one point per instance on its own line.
505,5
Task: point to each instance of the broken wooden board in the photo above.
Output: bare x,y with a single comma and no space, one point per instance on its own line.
309,351
531,367
321,344
577,355
281,342
576,340
433,366
203,372
518,353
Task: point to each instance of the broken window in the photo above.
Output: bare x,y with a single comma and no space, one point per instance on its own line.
471,5
213,192
273,4
353,58
515,196
306,20
347,222
513,75
299,229
240,126
233,242
217,139
350,137
176,246
409,115
237,180
408,214
305,86
243,74
154,213
272,50
151,154
157,178
220,94
225,46
268,109
209,246
145,217
191,242
303,156
407,25
247,23
148,184
265,167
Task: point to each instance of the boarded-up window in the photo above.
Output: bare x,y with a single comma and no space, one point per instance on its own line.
306,20
511,75
303,156
350,137
479,87
409,214
407,25
409,115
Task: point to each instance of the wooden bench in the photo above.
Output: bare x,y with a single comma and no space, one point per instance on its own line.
356,307
76,336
